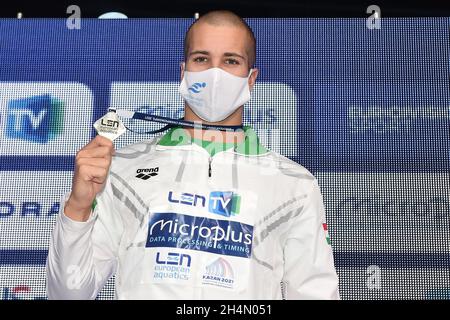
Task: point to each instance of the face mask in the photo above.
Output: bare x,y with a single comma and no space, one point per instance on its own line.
214,94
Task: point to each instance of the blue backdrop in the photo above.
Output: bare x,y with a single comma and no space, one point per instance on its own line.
367,111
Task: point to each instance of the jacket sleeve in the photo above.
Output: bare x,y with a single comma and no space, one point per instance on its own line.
82,256
309,271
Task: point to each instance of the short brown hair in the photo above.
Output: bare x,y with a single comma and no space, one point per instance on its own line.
225,17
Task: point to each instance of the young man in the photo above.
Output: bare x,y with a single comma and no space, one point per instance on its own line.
189,215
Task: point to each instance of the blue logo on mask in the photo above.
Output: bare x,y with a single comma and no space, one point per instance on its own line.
197,87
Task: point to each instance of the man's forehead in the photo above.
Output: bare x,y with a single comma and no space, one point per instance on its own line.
218,39
205,26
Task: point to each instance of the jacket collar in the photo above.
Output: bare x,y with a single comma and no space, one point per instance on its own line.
251,145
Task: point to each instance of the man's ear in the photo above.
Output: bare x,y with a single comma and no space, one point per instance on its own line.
252,78
182,67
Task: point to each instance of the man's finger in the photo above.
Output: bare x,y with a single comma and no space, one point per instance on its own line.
99,141
98,152
88,173
96,162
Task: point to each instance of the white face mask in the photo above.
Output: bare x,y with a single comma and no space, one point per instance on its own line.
214,94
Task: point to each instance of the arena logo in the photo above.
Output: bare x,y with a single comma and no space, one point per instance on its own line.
28,209
147,173
438,207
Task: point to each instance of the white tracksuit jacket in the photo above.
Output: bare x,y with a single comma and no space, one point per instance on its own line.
175,223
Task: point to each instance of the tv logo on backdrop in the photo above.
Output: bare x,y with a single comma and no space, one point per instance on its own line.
44,118
37,118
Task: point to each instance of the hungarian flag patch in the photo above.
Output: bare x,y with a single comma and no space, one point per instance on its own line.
327,236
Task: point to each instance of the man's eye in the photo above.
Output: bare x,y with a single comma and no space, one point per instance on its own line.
200,59
231,61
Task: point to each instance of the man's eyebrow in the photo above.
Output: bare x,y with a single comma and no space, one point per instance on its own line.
199,52
234,54
226,54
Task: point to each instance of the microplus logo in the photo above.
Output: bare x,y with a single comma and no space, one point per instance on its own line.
172,230
224,203
197,87
37,119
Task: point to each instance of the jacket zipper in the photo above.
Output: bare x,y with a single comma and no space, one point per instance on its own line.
209,168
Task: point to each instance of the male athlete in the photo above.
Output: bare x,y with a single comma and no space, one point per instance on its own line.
195,214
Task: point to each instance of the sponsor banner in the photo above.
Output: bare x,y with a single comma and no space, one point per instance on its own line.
390,126
29,204
375,283
387,212
272,110
44,118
